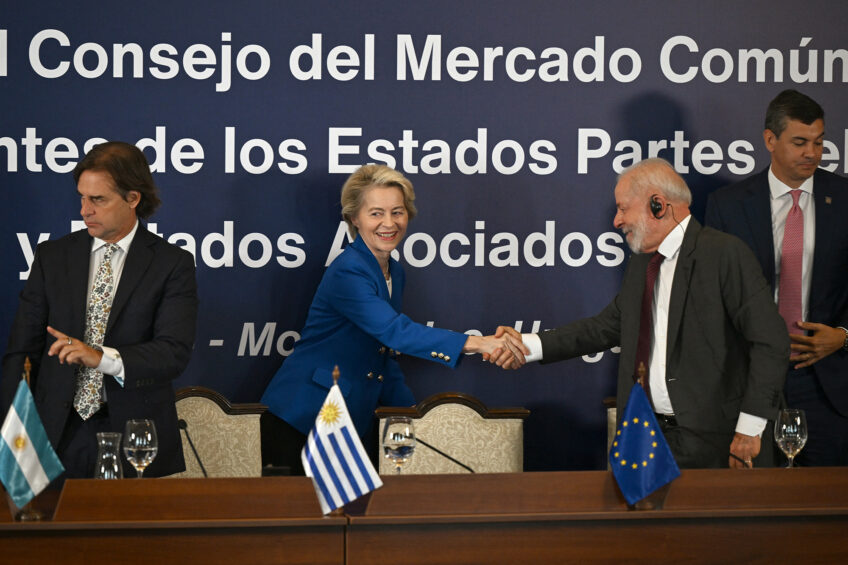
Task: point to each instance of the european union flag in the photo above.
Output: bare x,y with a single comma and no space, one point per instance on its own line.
640,457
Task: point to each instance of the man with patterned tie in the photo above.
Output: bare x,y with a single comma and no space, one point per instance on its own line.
107,317
794,216
695,322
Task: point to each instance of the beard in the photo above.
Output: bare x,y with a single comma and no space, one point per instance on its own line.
637,233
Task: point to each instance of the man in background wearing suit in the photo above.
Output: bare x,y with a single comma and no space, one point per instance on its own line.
107,318
710,339
795,218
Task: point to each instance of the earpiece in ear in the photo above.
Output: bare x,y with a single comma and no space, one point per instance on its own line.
656,207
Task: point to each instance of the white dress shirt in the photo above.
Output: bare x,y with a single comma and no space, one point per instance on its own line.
781,203
111,362
670,248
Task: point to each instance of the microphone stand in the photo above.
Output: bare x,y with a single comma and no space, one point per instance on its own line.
184,427
443,454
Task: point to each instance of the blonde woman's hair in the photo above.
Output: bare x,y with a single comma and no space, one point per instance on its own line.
368,176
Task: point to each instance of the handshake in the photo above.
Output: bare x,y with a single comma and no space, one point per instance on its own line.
504,349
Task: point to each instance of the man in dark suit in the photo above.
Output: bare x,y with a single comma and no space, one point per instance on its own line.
760,210
107,318
713,349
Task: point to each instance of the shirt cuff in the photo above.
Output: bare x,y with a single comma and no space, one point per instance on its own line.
534,344
112,364
750,425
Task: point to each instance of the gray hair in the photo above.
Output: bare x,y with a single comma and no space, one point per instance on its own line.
657,176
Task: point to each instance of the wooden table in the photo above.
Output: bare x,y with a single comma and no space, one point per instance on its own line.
711,516
185,521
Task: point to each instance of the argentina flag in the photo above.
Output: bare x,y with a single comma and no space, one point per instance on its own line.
334,457
27,460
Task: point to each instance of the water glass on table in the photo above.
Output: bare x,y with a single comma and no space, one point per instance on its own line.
108,464
140,444
790,432
398,440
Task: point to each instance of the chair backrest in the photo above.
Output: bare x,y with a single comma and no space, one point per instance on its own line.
612,414
226,436
489,440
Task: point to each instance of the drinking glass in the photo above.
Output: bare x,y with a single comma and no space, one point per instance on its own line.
140,444
108,464
398,440
790,432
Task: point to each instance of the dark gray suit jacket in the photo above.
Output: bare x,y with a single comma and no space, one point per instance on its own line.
152,325
744,210
728,347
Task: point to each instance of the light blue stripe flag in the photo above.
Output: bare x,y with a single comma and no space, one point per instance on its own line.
27,460
334,457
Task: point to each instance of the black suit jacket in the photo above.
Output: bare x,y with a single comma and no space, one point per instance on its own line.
727,346
744,209
151,324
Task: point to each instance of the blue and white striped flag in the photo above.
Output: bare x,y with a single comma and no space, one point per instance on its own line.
334,457
27,460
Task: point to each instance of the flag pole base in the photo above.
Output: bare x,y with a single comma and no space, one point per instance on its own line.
654,501
28,514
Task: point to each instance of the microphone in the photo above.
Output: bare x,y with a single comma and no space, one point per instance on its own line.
184,427
443,454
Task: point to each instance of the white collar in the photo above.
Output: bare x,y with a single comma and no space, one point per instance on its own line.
777,188
672,242
123,243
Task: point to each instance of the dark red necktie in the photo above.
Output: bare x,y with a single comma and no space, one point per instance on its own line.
646,324
791,257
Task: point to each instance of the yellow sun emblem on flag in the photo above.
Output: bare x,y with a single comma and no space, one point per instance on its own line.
330,413
20,442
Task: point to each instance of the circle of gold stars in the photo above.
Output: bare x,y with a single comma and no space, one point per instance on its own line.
624,427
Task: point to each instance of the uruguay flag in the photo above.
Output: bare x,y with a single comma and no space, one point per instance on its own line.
334,457
27,460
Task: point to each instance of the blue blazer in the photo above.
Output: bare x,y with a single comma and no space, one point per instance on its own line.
353,323
744,209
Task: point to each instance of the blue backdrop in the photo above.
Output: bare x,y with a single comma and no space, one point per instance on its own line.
511,119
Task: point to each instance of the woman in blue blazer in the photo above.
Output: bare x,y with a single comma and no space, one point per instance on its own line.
355,322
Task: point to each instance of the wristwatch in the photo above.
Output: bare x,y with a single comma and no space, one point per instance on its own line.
845,343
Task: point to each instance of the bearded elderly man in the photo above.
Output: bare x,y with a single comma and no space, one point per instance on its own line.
716,356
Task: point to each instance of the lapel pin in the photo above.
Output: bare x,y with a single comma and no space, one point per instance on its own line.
828,200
